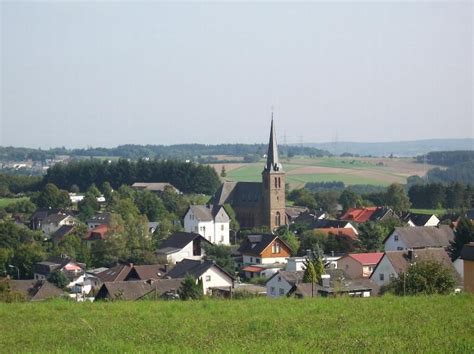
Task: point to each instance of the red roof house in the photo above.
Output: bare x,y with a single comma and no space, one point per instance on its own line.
359,265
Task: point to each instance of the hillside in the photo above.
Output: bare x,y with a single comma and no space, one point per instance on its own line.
429,324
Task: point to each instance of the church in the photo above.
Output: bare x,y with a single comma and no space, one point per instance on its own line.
258,203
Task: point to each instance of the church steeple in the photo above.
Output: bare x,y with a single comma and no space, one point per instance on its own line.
273,164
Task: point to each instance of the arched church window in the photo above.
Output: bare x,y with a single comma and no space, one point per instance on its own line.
276,182
277,218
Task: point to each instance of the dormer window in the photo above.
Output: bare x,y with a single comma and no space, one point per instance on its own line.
395,237
276,247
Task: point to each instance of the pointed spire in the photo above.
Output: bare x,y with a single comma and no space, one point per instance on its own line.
273,163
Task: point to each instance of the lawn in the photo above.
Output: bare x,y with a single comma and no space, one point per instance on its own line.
7,201
436,212
386,324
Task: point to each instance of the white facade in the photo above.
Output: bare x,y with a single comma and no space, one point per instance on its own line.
384,272
215,229
259,260
278,286
50,228
394,243
433,221
185,253
215,278
459,266
295,264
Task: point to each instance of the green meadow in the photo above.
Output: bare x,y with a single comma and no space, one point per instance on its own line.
383,324
7,201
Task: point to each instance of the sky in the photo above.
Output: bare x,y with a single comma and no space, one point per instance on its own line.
103,73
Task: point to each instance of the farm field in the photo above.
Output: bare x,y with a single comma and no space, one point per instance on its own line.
7,201
374,171
385,324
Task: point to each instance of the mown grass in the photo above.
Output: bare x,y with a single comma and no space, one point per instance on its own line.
7,201
436,212
386,324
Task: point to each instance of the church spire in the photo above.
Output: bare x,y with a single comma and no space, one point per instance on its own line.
273,164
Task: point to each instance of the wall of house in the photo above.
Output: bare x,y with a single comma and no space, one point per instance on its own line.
186,252
469,276
217,279
259,260
391,244
350,266
277,286
295,264
458,264
221,233
384,267
283,253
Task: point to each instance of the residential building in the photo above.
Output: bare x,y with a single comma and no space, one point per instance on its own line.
255,203
183,245
155,187
403,238
53,222
98,219
393,263
264,249
281,283
139,289
35,290
467,255
213,277
211,222
359,265
69,267
415,219
362,215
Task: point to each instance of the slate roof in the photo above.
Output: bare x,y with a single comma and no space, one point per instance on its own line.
114,274
135,290
425,236
178,241
401,260
417,219
100,218
35,290
59,234
325,223
55,218
467,252
205,212
294,211
194,268
256,244
149,271
153,186
239,194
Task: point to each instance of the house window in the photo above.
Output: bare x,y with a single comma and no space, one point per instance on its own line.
282,291
395,238
222,227
208,278
381,277
251,259
347,266
399,248
279,278
272,290
276,248
222,238
257,260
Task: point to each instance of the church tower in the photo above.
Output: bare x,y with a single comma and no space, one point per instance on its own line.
273,177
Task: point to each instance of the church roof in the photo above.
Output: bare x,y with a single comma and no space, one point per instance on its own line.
239,194
273,163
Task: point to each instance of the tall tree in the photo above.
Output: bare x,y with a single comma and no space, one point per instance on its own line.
397,199
464,234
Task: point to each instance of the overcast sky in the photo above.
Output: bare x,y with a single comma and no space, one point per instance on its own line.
79,74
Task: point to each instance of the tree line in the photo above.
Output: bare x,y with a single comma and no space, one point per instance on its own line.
447,158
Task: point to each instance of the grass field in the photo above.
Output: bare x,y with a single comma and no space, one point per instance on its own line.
375,171
386,324
7,201
436,212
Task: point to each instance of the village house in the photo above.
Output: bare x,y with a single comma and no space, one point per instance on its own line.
60,233
359,265
294,212
70,268
183,245
281,283
264,249
155,187
214,278
411,237
99,219
35,290
54,221
467,255
395,262
414,219
333,224
211,222
138,290
362,215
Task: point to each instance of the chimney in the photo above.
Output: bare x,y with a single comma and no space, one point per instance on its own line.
325,278
411,255
130,265
166,268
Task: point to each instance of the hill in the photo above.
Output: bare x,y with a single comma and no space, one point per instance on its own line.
397,148
386,324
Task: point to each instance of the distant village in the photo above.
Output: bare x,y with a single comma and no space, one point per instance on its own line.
240,243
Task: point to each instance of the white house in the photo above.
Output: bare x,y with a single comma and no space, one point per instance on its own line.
54,221
414,219
403,238
183,245
213,277
211,222
282,282
264,249
395,262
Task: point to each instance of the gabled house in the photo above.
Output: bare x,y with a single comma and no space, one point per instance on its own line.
213,277
138,290
36,220
155,187
403,238
60,233
467,255
147,272
281,283
35,290
183,245
362,215
414,219
333,224
264,249
116,273
69,267
211,222
98,219
53,222
395,262
359,265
